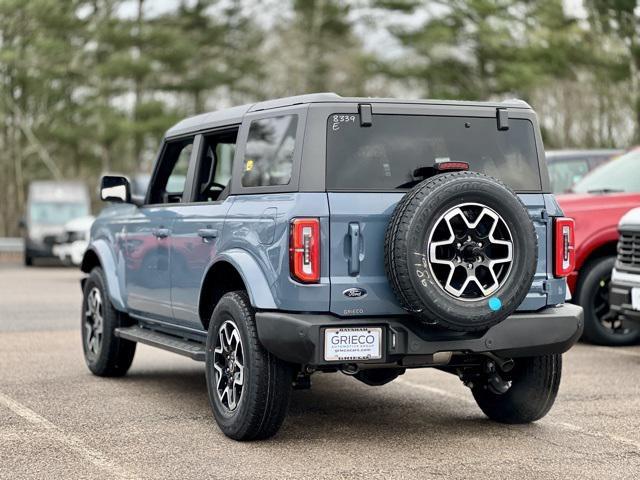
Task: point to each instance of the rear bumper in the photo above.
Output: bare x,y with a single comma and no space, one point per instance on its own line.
620,295
298,338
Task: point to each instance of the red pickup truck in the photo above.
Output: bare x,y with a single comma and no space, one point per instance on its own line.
597,203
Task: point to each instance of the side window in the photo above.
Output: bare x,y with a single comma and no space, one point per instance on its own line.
268,157
214,172
564,174
171,176
178,177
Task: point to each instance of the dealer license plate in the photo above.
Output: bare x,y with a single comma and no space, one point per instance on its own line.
348,344
635,298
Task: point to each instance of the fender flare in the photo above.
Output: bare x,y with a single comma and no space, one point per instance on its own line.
252,275
113,277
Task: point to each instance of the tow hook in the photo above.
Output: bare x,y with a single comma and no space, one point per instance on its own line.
495,383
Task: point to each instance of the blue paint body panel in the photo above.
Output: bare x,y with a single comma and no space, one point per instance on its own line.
371,213
156,257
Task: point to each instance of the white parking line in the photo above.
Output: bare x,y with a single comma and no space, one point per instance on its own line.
591,433
56,433
559,425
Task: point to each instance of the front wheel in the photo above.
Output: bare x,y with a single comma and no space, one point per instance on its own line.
249,389
105,354
534,383
601,325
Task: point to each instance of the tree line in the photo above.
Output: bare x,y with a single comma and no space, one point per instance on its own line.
89,86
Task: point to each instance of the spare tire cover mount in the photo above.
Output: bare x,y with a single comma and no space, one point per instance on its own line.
461,251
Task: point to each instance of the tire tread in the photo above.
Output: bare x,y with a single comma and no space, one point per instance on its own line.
116,354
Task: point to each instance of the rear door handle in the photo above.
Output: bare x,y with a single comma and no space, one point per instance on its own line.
161,232
354,257
207,233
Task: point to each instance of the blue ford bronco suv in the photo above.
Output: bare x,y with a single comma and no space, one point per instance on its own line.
321,234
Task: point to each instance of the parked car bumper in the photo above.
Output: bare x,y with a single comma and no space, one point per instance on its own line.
35,248
299,338
620,294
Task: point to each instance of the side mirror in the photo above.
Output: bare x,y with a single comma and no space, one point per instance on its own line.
115,189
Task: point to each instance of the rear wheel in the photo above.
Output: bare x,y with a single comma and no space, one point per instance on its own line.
105,354
249,389
534,383
601,325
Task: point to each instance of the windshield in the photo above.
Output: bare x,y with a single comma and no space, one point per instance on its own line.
619,175
56,213
386,155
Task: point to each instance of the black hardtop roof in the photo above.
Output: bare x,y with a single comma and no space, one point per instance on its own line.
235,114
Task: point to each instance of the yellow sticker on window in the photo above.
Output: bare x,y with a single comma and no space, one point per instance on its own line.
249,166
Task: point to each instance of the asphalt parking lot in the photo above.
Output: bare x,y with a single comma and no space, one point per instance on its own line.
59,421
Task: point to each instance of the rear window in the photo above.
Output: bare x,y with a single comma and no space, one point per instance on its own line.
385,155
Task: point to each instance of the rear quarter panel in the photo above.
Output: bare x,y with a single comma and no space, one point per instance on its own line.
259,225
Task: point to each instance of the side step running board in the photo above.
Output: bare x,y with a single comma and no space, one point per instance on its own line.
193,350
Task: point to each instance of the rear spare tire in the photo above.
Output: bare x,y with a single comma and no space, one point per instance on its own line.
461,251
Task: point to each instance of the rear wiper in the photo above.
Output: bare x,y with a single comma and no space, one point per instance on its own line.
605,190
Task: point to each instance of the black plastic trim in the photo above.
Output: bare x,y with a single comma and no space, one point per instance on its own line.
620,301
298,337
193,350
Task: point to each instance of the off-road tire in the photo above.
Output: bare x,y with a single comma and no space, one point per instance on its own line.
116,354
413,218
592,275
535,383
264,401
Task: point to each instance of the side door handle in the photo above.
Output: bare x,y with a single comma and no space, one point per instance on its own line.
354,257
161,232
207,234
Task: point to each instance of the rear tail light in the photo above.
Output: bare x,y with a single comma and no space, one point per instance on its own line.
564,246
304,250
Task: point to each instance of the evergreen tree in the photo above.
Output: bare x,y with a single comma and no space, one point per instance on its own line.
621,18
